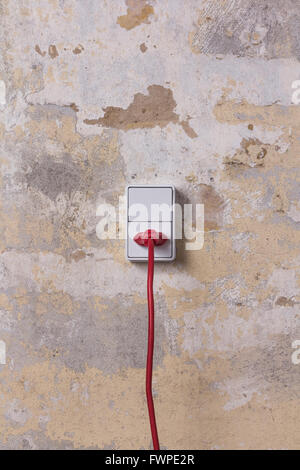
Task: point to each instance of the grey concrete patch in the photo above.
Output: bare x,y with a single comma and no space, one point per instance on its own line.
249,28
111,340
54,178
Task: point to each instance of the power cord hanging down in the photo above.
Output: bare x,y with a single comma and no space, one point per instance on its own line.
150,238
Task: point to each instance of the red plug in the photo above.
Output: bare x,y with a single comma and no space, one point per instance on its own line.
143,238
150,238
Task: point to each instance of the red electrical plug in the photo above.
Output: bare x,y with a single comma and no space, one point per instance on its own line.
143,238
150,238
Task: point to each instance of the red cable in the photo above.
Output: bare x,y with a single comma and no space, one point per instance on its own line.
150,238
151,344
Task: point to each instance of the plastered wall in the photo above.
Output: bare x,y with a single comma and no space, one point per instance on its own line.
97,94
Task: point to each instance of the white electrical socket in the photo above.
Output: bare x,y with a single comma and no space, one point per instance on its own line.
150,207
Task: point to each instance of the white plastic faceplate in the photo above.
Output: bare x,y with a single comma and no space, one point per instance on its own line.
150,207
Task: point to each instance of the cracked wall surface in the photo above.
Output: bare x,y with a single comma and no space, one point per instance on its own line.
95,95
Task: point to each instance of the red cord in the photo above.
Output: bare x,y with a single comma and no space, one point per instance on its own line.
151,344
150,238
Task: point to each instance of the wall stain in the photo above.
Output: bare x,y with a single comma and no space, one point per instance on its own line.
38,50
78,49
273,115
78,255
285,302
143,47
138,12
251,155
188,129
214,206
146,111
74,107
52,51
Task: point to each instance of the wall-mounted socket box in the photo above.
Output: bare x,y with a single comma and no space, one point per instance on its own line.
150,207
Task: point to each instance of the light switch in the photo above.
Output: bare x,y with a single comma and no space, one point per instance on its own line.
150,207
143,202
